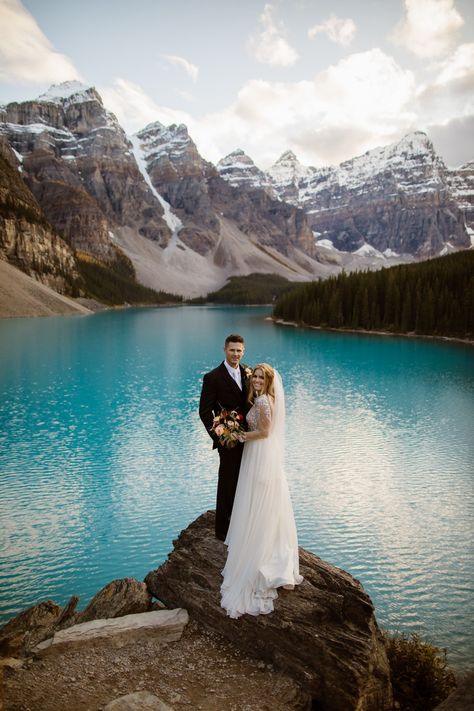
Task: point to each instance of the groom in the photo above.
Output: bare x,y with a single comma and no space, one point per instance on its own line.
225,388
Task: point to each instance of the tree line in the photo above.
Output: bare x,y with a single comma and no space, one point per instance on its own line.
250,289
435,297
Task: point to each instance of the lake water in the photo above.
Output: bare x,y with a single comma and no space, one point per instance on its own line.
103,459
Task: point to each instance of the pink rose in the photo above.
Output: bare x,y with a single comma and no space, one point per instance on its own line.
219,430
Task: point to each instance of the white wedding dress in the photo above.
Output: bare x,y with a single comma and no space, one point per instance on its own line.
262,541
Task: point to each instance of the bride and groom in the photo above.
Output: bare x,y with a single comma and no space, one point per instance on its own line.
254,515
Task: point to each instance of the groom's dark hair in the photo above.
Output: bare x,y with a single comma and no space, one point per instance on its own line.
234,338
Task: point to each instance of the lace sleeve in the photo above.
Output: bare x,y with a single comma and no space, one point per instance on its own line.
264,413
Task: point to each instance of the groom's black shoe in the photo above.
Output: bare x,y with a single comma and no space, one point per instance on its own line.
219,537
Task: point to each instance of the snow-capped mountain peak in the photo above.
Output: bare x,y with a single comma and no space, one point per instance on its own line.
286,174
59,93
240,170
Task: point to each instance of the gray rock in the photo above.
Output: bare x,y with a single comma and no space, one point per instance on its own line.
166,625
462,698
139,701
323,634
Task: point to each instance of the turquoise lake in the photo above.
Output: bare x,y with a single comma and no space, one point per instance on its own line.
103,458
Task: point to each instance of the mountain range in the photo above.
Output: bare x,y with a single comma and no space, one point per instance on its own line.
73,183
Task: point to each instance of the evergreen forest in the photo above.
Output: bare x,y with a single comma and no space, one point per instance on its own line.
435,297
251,289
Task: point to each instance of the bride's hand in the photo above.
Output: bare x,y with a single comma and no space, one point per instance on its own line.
242,437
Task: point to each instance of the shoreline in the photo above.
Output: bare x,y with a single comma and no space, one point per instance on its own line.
97,307
411,334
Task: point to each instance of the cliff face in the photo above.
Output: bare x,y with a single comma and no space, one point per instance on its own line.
393,198
77,162
200,196
27,240
270,221
180,176
461,184
187,225
400,198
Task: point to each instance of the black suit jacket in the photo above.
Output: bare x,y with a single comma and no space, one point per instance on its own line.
220,391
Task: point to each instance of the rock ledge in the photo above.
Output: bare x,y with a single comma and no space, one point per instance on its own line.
323,634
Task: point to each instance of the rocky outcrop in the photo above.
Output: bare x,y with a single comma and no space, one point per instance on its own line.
323,634
120,597
78,163
27,239
39,622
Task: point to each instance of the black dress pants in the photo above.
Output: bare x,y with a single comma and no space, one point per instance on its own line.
228,476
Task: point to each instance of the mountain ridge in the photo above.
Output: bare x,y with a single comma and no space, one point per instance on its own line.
186,227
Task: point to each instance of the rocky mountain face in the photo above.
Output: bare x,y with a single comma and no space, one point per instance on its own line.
461,184
77,161
241,172
188,225
180,175
200,197
27,240
397,199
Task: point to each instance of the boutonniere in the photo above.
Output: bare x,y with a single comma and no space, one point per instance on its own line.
248,371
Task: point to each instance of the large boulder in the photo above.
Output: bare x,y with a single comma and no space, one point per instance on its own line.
33,625
323,634
126,596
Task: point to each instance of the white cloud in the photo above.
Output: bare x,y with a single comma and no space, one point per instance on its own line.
363,101
428,27
135,109
341,31
458,65
26,54
191,69
271,46
450,95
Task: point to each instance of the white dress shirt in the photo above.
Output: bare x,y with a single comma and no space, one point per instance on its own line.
234,373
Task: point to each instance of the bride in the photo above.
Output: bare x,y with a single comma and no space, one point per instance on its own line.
262,543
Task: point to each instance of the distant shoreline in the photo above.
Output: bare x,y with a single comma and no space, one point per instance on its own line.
445,339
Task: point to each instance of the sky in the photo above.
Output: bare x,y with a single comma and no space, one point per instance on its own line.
328,79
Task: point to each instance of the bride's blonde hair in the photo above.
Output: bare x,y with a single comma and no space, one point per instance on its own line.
268,385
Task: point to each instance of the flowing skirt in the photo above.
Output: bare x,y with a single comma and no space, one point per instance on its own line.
262,540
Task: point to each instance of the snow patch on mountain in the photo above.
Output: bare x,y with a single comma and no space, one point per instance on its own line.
160,141
287,170
172,220
326,243
240,170
58,93
368,251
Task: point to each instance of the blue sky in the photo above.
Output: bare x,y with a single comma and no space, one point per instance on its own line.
329,79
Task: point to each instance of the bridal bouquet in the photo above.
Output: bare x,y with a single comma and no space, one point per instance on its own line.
227,425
